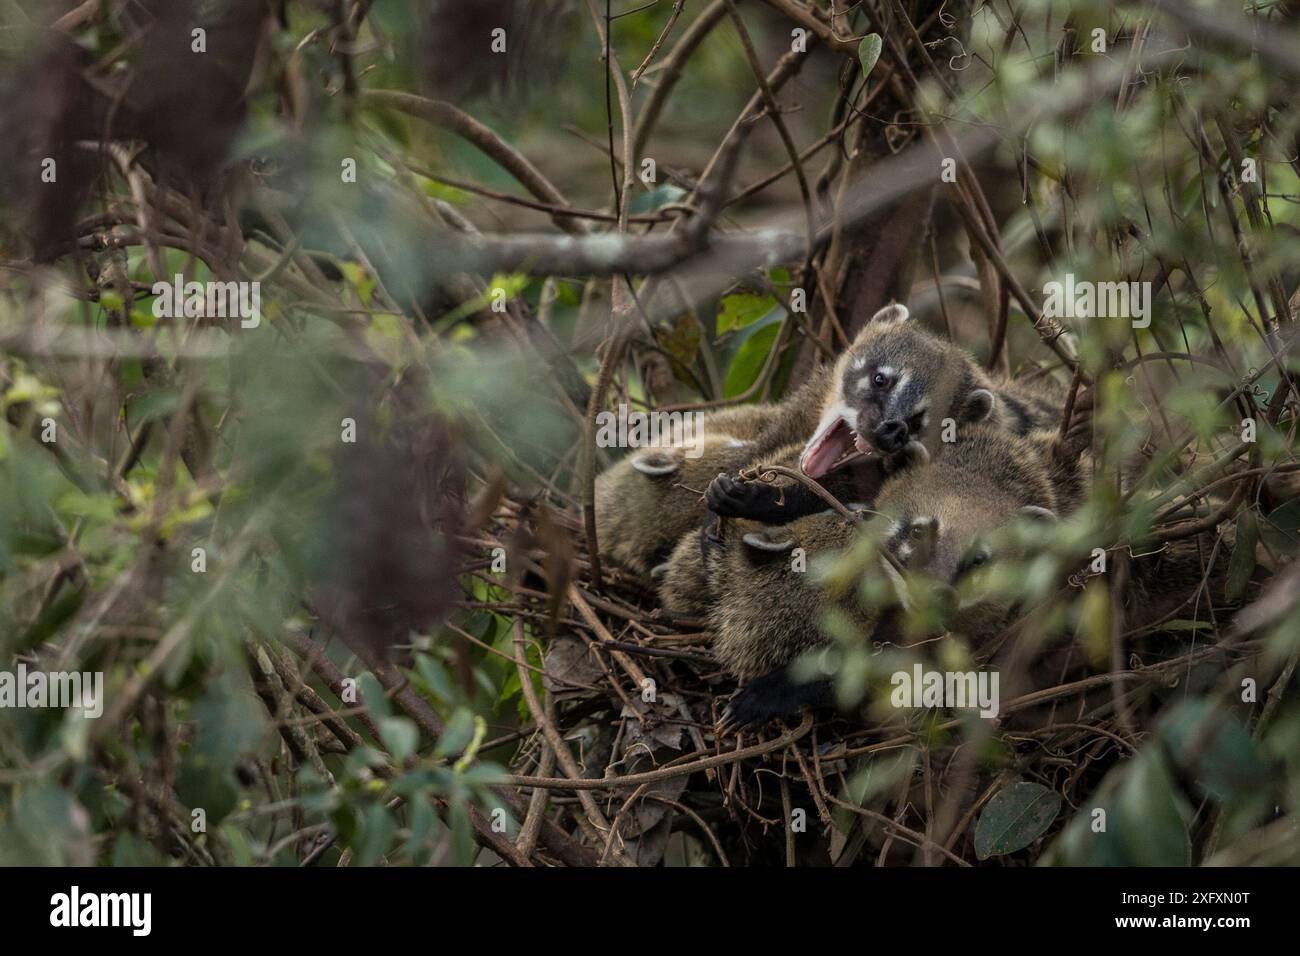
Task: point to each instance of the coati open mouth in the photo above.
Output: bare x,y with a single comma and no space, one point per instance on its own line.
835,445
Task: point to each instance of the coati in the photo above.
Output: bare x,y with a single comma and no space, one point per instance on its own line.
946,517
648,500
684,584
888,397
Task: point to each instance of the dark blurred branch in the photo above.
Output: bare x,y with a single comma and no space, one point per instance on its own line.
462,124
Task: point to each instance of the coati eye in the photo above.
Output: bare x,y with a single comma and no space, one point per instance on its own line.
881,380
978,558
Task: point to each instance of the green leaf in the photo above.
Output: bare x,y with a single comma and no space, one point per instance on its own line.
682,340
648,202
1242,564
740,309
151,406
400,736
376,833
750,358
457,734
1015,817
1150,815
1216,751
869,52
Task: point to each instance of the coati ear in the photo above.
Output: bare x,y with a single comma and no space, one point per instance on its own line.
655,463
1036,513
894,312
978,406
761,542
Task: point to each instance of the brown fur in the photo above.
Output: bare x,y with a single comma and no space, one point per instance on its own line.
768,614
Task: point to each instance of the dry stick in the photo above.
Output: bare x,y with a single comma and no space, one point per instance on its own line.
594,822
678,7
620,307
699,821
671,770
527,841
969,815
774,111
731,254
693,235
790,858
823,31
614,347
452,118
618,818
672,71
907,833
537,205
279,701
630,666
314,655
315,703
1119,576
815,787
768,473
1050,693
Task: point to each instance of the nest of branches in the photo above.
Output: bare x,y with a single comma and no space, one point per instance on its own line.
619,746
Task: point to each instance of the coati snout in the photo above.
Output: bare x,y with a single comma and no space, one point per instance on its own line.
890,436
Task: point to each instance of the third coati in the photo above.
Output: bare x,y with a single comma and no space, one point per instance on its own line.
889,396
945,518
685,585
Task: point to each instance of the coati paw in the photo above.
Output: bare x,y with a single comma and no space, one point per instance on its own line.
768,697
730,497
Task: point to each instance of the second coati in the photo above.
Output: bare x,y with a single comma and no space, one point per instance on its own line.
649,499
946,518
888,397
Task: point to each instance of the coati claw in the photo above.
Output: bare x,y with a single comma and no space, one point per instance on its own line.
729,497
771,696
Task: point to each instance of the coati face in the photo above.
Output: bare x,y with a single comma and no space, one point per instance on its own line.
950,531
890,393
